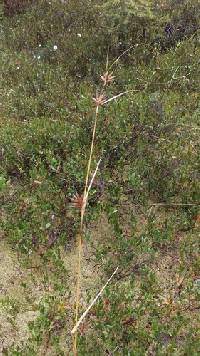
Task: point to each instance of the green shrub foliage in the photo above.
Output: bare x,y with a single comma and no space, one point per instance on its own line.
52,56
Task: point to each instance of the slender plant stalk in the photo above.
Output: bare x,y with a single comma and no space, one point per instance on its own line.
100,100
89,167
80,235
121,55
92,179
74,330
174,204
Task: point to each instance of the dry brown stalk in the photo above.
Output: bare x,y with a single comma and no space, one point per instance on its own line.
80,235
81,201
74,330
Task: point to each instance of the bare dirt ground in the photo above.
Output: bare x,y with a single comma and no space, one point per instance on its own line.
22,289
17,303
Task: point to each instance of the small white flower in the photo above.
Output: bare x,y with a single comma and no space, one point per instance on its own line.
17,67
79,35
38,57
39,45
55,48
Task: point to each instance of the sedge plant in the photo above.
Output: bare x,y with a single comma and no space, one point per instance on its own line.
80,201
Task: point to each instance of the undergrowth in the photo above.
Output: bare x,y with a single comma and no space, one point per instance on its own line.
143,207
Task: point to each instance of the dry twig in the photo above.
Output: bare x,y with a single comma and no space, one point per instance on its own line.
92,303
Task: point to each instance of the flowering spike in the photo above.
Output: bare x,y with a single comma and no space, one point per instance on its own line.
77,201
107,78
100,99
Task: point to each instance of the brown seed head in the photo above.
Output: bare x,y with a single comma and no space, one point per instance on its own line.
100,99
107,78
77,201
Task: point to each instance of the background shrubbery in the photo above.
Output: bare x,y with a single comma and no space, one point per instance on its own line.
53,53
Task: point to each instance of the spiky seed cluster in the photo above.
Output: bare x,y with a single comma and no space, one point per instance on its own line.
100,99
77,201
107,78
